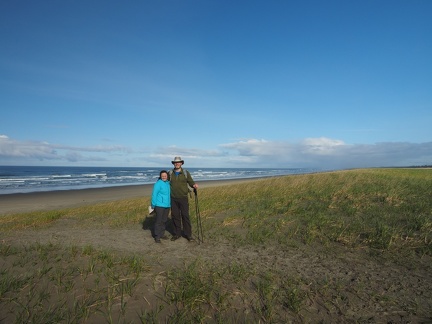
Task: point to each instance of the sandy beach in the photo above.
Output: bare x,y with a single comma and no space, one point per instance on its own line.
107,267
51,200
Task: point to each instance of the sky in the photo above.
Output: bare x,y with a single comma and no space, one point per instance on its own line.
329,84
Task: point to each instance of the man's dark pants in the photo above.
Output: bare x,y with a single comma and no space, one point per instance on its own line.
179,215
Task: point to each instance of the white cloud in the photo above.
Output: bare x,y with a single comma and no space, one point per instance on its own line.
324,153
254,147
330,153
30,151
321,146
25,149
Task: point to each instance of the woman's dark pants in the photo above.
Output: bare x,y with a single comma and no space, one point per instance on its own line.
161,219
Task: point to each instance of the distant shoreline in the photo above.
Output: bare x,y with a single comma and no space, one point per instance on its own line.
21,179
58,199
52,200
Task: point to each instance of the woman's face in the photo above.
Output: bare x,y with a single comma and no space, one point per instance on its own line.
164,176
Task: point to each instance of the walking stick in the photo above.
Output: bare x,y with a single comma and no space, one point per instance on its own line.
198,216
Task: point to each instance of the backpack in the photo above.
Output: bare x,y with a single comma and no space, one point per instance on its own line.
186,173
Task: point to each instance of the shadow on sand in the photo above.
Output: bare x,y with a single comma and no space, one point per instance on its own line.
149,222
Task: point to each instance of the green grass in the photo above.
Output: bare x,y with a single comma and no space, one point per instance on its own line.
379,210
54,284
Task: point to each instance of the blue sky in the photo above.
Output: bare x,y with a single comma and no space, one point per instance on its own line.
330,84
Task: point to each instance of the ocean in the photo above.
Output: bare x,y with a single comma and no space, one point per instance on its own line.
24,179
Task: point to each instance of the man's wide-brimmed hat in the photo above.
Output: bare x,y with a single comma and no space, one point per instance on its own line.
177,159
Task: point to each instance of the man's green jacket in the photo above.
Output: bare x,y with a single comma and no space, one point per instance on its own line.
180,183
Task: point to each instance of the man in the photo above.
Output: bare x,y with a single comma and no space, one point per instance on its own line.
180,179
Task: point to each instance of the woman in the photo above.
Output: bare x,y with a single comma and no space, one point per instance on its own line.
161,202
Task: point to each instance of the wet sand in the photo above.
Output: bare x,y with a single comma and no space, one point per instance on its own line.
51,200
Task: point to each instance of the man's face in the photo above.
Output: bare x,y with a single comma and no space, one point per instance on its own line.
177,165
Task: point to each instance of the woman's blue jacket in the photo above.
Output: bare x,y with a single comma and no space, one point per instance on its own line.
161,195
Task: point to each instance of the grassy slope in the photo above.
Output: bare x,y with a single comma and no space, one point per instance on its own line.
379,208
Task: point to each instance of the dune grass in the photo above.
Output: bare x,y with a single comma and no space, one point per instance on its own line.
51,284
378,208
386,210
